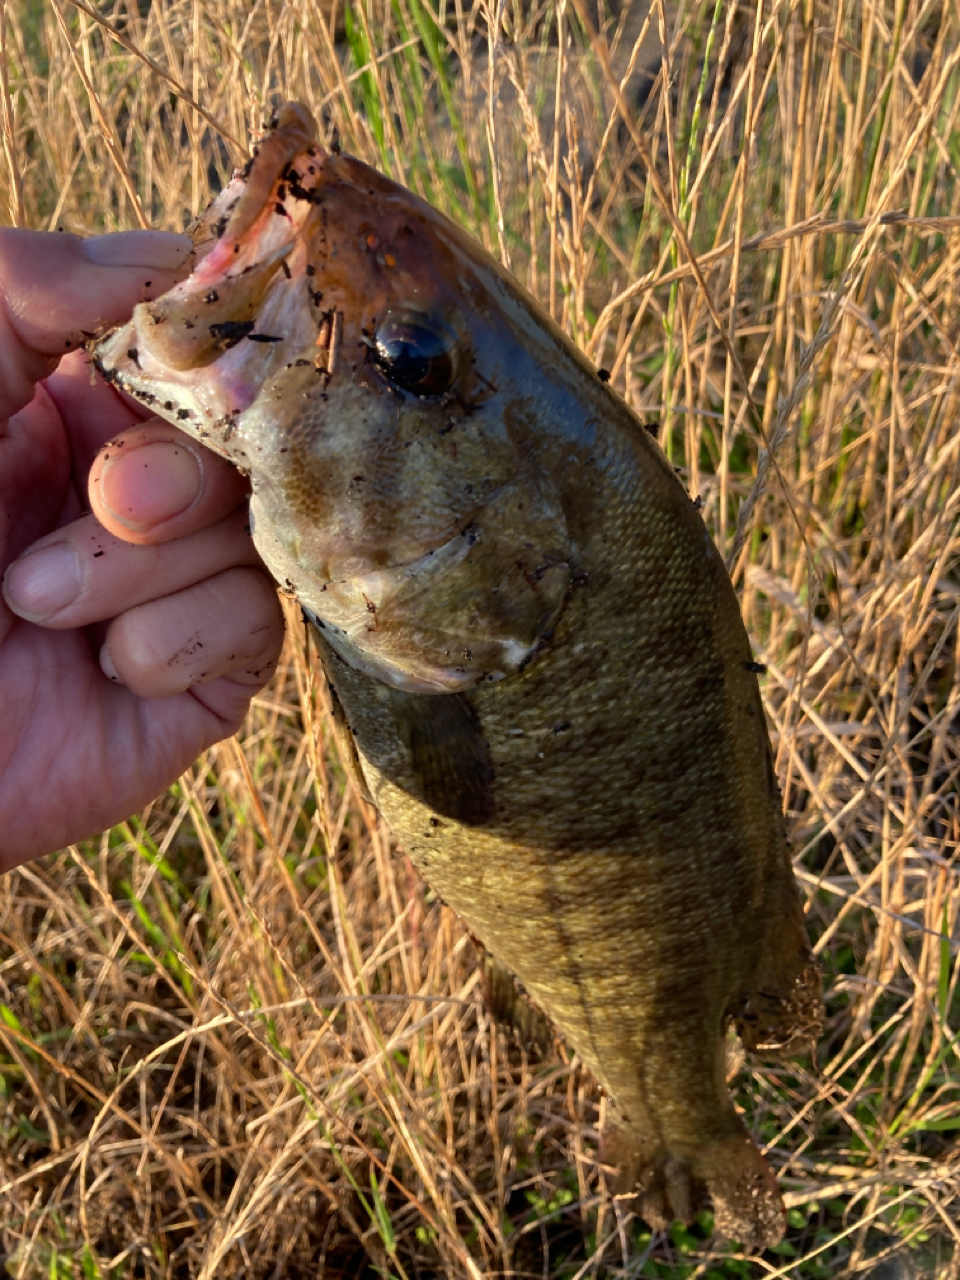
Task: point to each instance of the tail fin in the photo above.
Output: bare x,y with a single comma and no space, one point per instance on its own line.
747,1205
728,1171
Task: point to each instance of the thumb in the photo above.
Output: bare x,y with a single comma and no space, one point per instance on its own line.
58,290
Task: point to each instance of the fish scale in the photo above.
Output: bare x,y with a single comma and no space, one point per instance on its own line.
534,647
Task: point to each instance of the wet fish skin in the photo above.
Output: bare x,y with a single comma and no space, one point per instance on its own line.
529,633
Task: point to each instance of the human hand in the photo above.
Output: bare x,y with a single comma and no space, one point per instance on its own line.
133,637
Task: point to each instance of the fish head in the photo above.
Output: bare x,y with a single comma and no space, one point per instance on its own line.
348,347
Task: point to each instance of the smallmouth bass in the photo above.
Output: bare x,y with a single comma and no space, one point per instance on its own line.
529,634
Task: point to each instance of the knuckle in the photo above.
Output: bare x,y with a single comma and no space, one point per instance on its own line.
230,624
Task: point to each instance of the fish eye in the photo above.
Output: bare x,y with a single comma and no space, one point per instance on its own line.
415,352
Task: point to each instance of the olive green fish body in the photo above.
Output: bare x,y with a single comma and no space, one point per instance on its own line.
631,865
531,637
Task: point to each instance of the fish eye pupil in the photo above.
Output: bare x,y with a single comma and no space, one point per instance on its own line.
408,364
415,353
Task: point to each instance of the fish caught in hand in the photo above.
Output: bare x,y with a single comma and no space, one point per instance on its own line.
529,635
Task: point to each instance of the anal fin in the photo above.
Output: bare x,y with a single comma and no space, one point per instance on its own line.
781,1019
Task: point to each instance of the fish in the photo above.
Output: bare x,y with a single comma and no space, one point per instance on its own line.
534,650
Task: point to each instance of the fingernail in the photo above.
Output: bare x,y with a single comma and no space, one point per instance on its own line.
159,250
107,667
43,582
142,488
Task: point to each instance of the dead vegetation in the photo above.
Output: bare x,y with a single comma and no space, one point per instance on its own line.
237,1035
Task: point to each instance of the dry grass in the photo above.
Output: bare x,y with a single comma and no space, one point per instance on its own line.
237,1036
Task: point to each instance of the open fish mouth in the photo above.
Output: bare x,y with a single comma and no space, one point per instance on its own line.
208,345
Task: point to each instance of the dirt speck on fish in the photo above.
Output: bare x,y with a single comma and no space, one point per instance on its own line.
528,631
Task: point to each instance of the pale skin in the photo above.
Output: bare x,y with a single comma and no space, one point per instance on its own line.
133,636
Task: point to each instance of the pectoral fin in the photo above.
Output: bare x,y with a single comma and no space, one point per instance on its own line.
448,753
447,761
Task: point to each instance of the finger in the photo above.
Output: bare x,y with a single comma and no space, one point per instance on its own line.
57,290
230,625
91,411
34,476
153,483
82,574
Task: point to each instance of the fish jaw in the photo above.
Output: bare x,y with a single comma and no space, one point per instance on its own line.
364,503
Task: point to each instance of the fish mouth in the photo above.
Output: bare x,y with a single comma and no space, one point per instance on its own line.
203,350
290,257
